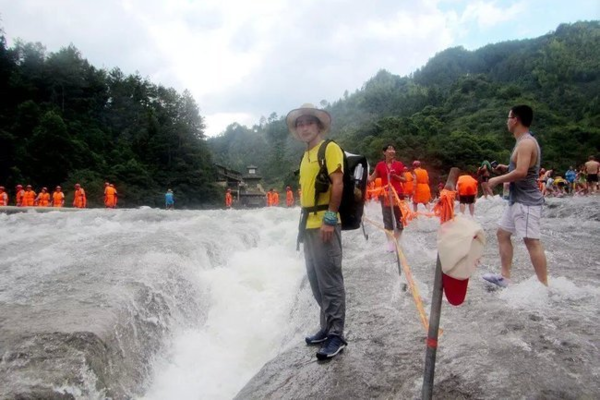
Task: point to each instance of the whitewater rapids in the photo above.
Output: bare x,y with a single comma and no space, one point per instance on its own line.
151,304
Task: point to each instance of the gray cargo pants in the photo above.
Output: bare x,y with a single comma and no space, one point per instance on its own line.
324,270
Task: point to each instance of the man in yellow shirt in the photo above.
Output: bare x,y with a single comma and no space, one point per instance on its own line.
320,228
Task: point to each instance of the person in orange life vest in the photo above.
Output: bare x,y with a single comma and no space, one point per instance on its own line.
79,199
390,170
467,192
110,196
3,197
19,196
116,195
409,184
228,199
43,198
58,197
28,197
275,198
422,193
289,197
270,197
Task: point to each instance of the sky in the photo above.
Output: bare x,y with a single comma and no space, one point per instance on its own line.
243,60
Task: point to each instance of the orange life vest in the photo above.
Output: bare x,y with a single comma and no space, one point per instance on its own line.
228,199
43,199
80,200
289,198
28,198
269,199
422,191
275,199
409,186
110,197
19,197
3,199
466,185
57,199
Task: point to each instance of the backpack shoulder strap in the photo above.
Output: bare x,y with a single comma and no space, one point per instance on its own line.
321,153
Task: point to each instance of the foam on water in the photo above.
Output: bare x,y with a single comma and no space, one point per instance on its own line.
251,296
240,275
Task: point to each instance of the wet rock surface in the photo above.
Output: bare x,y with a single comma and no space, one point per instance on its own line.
522,342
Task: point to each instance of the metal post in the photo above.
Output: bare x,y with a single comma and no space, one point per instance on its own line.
432,335
436,312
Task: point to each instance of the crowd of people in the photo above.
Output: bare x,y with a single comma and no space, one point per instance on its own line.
27,197
271,198
582,181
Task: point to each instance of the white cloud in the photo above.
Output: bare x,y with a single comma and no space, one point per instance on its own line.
218,122
488,14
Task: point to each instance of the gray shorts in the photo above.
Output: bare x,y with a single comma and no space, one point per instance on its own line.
324,270
522,220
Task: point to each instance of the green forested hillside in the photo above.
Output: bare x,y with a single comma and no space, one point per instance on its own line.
452,112
64,121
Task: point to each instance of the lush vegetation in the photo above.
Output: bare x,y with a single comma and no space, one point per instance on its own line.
452,112
64,121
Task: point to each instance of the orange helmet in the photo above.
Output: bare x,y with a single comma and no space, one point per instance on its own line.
19,186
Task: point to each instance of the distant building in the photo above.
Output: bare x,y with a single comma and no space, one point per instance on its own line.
229,179
252,193
247,189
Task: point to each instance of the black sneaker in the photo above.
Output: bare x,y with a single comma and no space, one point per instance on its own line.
332,347
317,338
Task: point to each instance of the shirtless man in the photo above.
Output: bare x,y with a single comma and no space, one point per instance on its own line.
592,168
522,214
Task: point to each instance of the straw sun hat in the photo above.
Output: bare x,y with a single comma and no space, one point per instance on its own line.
308,109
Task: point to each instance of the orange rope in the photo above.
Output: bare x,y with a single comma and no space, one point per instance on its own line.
444,208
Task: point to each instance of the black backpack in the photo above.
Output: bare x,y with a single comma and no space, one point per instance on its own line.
356,169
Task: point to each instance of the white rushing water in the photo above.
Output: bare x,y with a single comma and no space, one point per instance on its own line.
228,293
252,293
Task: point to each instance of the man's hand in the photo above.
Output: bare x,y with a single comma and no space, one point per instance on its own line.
501,168
327,232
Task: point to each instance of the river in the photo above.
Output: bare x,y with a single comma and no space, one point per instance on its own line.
154,304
